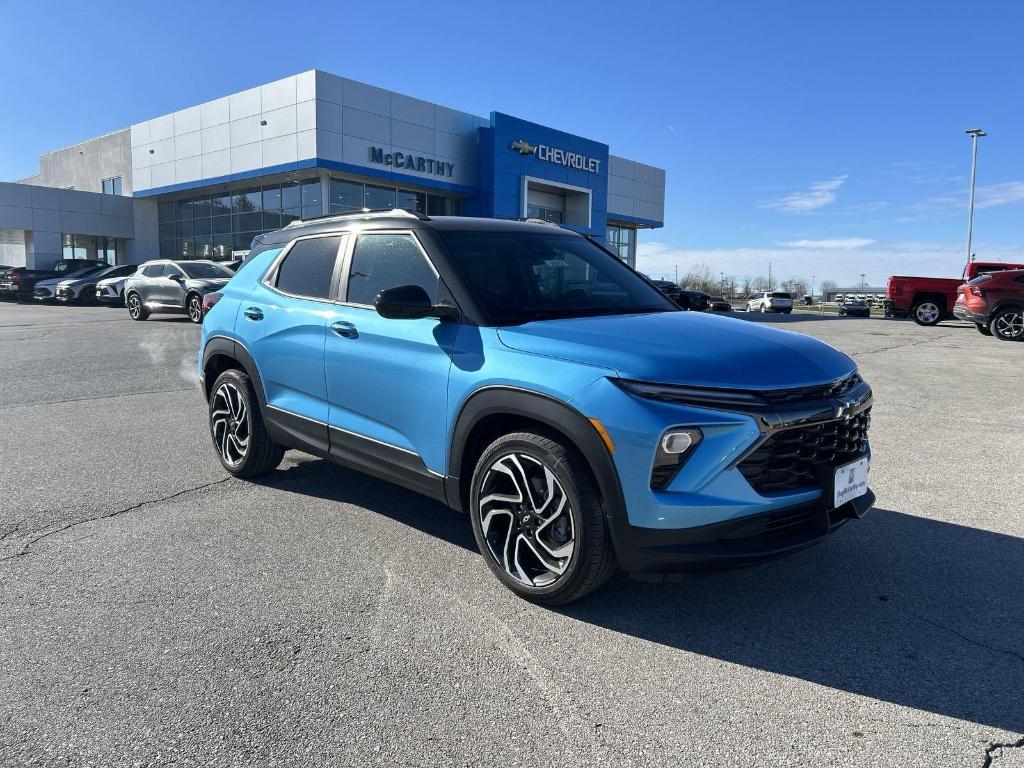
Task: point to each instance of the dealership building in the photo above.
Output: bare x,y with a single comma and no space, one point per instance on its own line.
203,181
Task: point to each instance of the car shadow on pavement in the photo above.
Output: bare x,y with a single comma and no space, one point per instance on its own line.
325,480
903,609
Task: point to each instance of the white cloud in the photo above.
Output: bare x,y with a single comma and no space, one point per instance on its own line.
820,194
999,194
877,260
830,244
673,130
987,196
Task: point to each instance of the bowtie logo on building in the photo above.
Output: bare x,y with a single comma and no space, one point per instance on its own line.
523,147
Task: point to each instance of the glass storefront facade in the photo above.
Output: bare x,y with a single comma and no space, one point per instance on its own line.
622,241
109,249
214,226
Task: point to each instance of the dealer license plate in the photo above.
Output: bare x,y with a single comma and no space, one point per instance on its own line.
851,481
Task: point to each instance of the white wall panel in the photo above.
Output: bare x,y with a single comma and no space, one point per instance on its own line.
280,93
244,104
216,137
187,121
279,122
215,112
188,145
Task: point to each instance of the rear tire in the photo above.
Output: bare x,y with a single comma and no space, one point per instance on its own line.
237,428
983,329
550,557
928,312
136,309
1008,324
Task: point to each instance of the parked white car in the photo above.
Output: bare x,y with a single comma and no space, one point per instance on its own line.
82,289
110,290
46,290
770,301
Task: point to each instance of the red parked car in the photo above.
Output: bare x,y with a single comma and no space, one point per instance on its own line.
995,303
927,300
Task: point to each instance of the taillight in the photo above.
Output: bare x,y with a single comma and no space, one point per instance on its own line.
209,300
975,290
16,278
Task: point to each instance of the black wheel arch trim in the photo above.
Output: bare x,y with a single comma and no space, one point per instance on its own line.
235,350
501,400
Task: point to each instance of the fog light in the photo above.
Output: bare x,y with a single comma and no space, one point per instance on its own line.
674,448
676,442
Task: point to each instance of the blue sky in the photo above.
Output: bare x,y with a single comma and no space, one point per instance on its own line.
826,137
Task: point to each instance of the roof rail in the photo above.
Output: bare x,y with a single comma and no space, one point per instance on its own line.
362,212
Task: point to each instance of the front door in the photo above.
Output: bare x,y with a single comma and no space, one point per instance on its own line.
387,380
169,288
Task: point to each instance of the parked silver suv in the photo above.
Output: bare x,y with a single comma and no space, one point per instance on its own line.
770,301
173,287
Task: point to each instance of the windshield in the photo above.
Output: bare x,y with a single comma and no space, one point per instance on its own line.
201,269
522,276
980,279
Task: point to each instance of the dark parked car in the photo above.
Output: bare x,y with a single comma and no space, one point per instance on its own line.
719,304
20,283
698,301
173,287
855,308
669,288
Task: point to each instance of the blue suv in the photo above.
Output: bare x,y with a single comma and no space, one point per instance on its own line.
520,372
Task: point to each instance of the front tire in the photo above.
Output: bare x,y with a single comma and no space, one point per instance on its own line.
136,309
927,312
194,308
1008,324
764,309
237,428
537,519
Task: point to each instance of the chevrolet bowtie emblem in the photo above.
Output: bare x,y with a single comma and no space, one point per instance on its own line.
523,147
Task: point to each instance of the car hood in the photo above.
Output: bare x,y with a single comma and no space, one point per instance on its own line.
685,348
112,281
50,283
211,283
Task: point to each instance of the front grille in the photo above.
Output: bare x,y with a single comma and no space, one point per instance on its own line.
788,459
809,394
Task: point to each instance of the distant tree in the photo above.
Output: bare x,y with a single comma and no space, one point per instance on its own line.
701,277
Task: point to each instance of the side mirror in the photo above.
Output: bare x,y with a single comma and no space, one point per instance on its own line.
176,277
409,302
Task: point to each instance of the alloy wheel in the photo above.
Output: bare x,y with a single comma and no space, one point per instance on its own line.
526,520
134,305
195,309
1009,325
229,422
928,312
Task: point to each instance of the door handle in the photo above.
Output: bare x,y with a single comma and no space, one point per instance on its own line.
344,329
253,313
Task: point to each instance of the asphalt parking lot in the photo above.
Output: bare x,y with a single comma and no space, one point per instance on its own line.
157,612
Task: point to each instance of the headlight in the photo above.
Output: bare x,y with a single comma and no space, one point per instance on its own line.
674,448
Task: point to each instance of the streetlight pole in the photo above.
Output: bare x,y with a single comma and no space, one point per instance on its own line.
975,134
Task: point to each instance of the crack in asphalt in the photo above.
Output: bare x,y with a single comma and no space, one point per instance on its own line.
34,539
967,639
991,752
186,388
903,346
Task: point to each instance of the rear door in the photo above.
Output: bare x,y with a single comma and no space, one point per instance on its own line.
387,379
283,322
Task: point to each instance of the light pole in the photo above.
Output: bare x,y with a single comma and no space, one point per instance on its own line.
975,134
862,280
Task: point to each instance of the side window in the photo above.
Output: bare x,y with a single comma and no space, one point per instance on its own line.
170,270
382,261
308,268
153,270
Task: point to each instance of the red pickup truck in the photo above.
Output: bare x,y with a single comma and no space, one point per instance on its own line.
930,299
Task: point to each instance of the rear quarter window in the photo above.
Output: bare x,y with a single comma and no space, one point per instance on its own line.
308,268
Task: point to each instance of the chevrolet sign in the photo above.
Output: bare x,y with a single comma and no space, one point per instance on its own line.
557,156
411,162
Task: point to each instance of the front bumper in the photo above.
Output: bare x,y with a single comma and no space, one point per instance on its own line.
732,543
42,294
